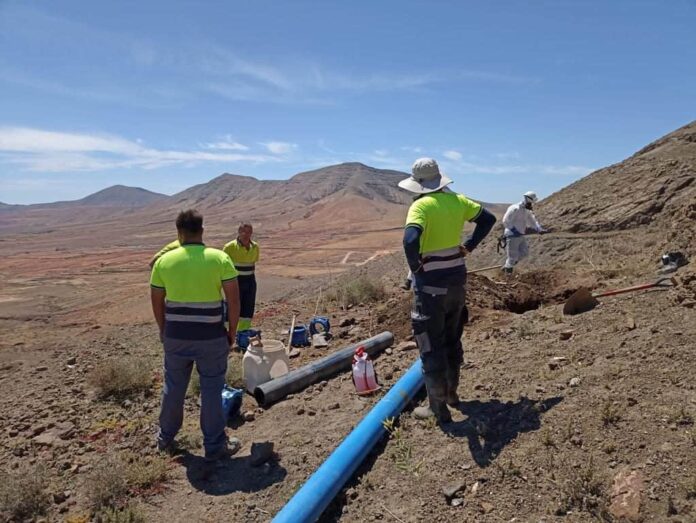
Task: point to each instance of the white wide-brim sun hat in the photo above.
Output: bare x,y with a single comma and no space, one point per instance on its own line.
425,177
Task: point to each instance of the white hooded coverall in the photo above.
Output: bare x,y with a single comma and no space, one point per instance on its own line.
517,220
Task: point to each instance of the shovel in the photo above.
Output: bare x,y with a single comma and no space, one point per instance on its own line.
583,300
484,269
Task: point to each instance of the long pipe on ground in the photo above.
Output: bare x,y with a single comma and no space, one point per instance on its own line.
311,500
276,389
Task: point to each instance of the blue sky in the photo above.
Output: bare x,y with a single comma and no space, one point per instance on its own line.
508,96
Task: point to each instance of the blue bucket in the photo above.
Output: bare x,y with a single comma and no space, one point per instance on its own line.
300,336
244,336
231,402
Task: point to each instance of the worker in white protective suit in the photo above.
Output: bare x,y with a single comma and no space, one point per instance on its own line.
518,220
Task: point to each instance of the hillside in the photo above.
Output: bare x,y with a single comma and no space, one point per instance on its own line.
645,205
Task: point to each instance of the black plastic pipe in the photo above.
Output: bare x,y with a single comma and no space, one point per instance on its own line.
276,389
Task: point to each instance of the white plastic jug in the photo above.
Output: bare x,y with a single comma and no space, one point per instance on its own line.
264,361
277,357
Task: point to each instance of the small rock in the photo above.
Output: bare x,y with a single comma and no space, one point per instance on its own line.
388,351
346,322
261,452
406,345
311,412
248,416
127,404
59,497
451,489
574,382
630,323
457,502
576,440
486,507
565,335
334,406
300,410
71,361
294,352
689,304
233,445
475,488
41,368
557,361
319,341
626,495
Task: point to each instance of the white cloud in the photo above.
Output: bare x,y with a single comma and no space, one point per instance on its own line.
279,147
51,151
452,155
226,144
412,149
381,152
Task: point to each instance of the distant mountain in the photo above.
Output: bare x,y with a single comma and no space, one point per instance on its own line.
309,187
122,196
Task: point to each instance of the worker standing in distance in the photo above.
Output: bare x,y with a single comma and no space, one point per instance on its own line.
519,219
435,256
186,286
244,253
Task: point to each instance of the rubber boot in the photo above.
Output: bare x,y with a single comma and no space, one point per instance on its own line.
437,390
452,384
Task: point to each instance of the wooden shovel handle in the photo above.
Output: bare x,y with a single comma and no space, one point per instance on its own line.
644,286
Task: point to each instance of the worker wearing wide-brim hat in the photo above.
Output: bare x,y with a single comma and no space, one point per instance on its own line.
432,243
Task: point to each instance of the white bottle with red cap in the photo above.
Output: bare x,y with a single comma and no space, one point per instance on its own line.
364,376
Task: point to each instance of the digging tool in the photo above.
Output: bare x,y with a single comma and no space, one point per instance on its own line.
583,300
292,329
485,269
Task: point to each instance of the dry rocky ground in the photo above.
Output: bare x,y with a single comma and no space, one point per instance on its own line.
563,419
554,409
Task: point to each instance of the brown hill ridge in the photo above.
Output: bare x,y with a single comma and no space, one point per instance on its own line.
655,185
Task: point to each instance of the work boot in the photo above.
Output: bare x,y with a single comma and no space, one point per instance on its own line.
406,285
437,390
507,270
452,384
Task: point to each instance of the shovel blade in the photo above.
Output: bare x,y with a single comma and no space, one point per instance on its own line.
580,301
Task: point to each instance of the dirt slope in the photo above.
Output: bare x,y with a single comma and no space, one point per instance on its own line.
623,216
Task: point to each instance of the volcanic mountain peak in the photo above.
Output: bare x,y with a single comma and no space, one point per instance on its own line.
122,196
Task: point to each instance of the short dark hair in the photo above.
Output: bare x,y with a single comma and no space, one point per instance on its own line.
190,221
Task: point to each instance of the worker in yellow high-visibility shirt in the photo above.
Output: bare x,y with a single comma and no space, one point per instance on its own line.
164,250
244,253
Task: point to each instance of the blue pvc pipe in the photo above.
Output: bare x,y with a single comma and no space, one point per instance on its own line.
311,500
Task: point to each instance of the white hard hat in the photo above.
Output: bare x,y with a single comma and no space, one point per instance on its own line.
531,196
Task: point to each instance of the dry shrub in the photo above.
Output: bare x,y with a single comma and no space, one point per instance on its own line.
107,485
127,514
146,473
121,378
585,491
23,494
363,289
